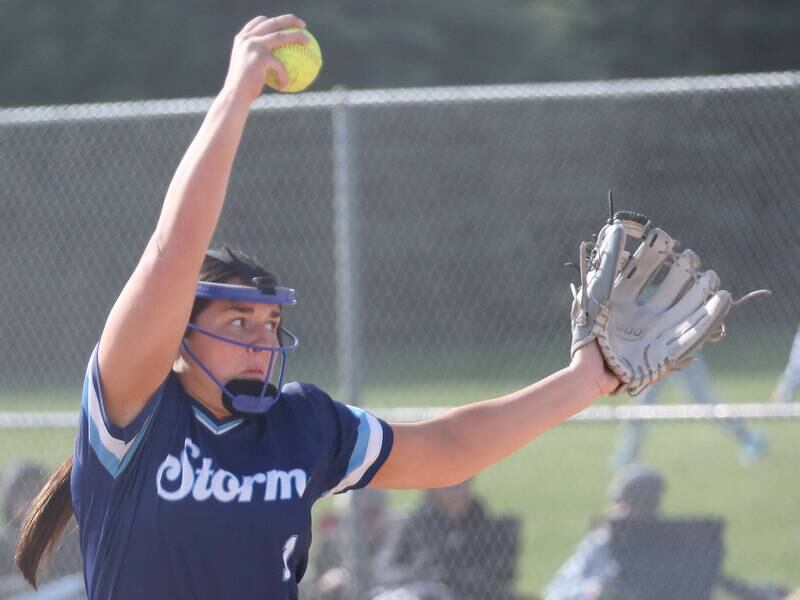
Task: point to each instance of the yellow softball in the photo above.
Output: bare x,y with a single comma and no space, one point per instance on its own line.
302,64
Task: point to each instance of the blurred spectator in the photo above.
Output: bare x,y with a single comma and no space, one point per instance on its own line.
20,484
697,383
330,573
451,548
594,571
789,380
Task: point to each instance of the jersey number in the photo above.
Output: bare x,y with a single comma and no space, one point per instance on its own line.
288,550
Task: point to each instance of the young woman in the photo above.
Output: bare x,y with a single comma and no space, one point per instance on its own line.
195,468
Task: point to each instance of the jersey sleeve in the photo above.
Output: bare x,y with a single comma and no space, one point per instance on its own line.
360,445
99,440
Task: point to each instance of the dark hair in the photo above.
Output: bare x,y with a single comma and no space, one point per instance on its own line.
52,509
227,265
47,517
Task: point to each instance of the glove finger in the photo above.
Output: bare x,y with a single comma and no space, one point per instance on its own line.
705,286
648,258
690,335
681,272
635,224
609,249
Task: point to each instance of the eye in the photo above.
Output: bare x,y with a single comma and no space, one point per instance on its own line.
238,322
271,327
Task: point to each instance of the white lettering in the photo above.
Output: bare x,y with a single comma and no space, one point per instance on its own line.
172,469
299,476
246,489
288,550
205,482
202,484
282,480
222,491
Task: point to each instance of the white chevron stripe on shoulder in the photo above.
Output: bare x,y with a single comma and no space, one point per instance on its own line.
94,397
366,450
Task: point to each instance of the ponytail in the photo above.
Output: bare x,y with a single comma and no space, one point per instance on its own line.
49,514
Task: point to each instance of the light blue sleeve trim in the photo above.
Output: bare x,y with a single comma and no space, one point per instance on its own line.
368,448
112,464
112,452
362,439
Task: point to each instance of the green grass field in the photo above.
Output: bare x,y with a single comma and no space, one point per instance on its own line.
557,484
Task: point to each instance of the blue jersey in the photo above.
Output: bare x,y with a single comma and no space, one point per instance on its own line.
179,504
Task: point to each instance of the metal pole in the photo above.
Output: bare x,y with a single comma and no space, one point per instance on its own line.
348,309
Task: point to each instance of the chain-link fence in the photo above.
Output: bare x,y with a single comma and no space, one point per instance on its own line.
442,218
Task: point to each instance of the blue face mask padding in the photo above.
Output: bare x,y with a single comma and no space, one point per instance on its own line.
244,397
244,293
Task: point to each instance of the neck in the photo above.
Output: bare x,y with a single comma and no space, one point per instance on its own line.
205,392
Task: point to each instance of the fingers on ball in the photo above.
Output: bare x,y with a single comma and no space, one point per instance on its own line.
273,41
252,23
277,24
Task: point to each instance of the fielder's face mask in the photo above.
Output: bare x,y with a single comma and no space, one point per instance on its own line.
248,397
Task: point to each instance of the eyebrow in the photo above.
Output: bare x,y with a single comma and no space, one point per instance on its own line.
243,308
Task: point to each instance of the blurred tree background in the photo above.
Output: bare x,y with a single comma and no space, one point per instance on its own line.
58,52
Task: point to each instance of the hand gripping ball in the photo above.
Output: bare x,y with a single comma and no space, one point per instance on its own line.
302,64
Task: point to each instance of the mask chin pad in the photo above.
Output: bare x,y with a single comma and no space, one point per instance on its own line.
243,397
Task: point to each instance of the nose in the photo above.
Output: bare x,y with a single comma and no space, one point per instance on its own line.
264,338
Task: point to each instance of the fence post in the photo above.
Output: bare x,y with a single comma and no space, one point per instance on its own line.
348,296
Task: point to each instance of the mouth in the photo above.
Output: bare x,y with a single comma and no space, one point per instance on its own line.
254,373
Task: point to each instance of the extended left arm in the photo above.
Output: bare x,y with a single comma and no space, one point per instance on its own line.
458,444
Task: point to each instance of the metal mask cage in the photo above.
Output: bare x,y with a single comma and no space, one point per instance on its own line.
245,397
